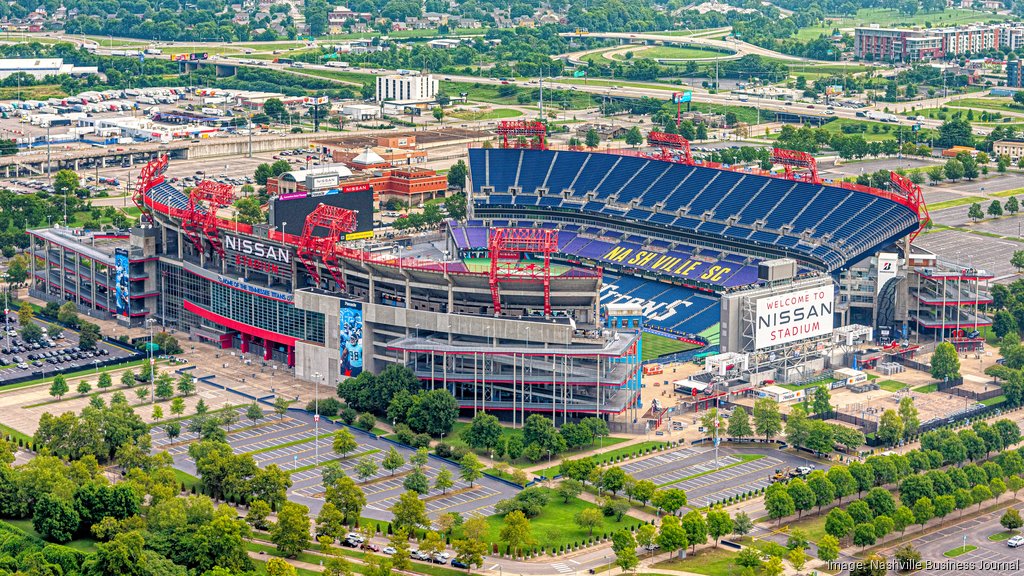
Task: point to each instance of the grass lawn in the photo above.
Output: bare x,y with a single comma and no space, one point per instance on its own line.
964,201
808,385
605,457
654,346
814,527
189,49
888,18
987,103
836,127
1001,536
1008,193
959,551
891,385
86,545
187,479
39,92
709,561
292,443
675,52
994,400
474,115
555,525
350,77
814,32
455,439
927,388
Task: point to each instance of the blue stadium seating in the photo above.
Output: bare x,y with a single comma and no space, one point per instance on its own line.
846,224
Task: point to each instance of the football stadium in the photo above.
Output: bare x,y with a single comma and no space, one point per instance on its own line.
571,264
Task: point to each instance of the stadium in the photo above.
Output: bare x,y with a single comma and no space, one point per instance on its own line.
539,302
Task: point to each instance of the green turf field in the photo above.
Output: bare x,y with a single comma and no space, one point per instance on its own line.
484,264
655,346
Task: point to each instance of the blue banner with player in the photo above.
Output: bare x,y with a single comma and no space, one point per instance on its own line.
350,330
122,282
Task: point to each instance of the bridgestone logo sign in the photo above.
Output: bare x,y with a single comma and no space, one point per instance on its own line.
794,316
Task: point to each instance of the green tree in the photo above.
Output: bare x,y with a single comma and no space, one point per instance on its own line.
330,522
392,461
1012,206
444,480
953,169
259,512
291,531
670,500
624,545
274,108
902,518
995,208
484,431
55,519
739,424
890,427
974,212
409,512
472,469
924,510
696,528
164,387
84,387
822,401
909,416
671,535
823,489
838,523
864,534
344,442
945,362
516,532
719,523
105,381
802,496
347,497
828,548
1017,260
457,179
438,113
634,137
1011,519
767,420
592,139
59,387
588,519
249,210
417,481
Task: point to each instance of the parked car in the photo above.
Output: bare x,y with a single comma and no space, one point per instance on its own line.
459,564
389,550
1016,541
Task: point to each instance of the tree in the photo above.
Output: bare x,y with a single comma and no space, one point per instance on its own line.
17,269
409,512
954,169
274,108
59,387
1011,519
484,431
588,519
669,500
924,510
634,137
472,469
366,468
55,519
347,497
797,428
1012,206
797,557
84,387
178,406
444,480
739,424
945,362
291,531
457,178
164,387
279,567
671,535
802,496
186,387
881,502
974,212
592,139
823,489
842,481
433,412
890,428
258,513
908,416
767,420
344,442
902,518
330,522
127,379
173,430
455,203
995,209
838,523
955,132
864,534
105,381
392,461
907,558
88,336
67,314
624,546
470,551
515,531
569,489
438,113
696,528
249,210
822,401
719,523
417,481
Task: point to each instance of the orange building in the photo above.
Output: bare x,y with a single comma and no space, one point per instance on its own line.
406,183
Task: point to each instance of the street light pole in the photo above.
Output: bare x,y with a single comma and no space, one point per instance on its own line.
316,417
152,371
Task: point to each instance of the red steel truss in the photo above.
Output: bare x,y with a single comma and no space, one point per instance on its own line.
150,175
914,200
794,159
669,142
336,221
506,247
534,132
202,218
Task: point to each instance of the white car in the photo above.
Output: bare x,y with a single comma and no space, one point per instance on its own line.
1016,541
389,550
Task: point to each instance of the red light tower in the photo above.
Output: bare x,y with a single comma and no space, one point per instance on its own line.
506,247
534,132
669,142
914,200
150,175
336,221
199,217
794,159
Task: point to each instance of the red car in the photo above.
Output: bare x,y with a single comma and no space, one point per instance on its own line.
371,546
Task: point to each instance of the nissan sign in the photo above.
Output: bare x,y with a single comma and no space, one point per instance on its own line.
786,318
257,249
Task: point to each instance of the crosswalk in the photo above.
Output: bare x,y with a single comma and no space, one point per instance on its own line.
561,568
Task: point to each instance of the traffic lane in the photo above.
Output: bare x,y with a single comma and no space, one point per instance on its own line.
933,545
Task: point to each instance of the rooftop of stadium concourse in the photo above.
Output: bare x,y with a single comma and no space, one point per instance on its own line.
591,343
98,246
539,372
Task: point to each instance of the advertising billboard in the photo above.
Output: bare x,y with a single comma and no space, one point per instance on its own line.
350,342
794,316
122,282
289,212
682,97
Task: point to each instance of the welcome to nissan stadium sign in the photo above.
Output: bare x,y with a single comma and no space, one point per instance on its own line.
794,316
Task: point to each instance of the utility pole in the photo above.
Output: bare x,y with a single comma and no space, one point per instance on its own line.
542,96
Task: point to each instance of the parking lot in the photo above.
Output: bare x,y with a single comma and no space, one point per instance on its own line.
694,470
290,443
990,558
58,352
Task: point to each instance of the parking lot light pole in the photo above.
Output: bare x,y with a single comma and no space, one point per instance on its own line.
152,371
316,418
